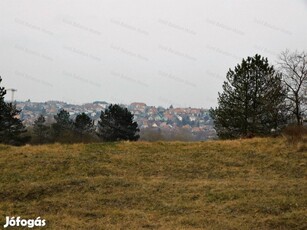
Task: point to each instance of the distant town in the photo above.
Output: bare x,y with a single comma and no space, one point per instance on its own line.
195,121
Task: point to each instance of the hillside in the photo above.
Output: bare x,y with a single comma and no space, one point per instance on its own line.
195,123
242,184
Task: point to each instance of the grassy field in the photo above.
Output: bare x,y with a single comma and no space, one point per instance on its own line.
243,184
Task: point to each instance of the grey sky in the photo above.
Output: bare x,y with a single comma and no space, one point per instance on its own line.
158,52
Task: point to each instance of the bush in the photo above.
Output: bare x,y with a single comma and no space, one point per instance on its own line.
295,134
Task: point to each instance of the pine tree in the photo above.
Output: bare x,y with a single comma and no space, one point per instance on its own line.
83,124
253,101
63,120
116,123
41,131
11,128
2,112
63,127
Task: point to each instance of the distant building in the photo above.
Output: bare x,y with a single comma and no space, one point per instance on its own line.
196,121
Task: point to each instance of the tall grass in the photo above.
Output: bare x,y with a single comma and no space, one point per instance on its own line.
258,183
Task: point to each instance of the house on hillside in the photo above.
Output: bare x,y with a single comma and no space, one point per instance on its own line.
138,106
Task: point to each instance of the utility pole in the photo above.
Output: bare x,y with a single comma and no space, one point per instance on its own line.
13,92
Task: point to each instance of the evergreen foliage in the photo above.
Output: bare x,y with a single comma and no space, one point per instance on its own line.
116,123
83,125
253,101
12,131
63,127
41,130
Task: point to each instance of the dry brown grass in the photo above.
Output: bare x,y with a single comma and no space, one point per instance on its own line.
241,184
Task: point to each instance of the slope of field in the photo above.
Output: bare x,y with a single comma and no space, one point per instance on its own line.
242,184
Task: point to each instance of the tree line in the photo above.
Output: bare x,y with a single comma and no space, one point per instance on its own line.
257,100
115,124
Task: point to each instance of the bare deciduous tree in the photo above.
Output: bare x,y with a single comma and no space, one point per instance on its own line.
293,66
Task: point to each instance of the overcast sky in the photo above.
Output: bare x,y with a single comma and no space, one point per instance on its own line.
158,52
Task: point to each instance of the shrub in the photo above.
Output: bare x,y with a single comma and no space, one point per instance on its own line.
295,134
